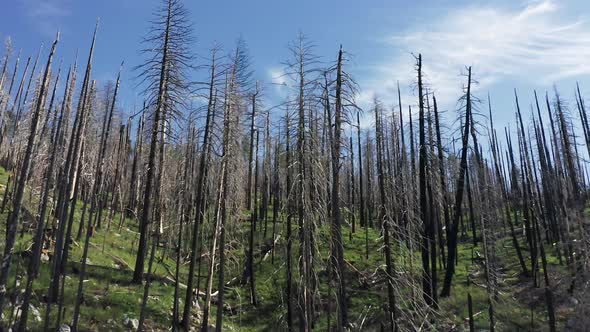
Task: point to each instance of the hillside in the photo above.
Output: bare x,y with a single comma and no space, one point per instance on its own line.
111,300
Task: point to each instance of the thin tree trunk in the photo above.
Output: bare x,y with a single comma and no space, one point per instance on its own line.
452,240
336,229
14,217
199,201
144,223
363,219
33,267
389,268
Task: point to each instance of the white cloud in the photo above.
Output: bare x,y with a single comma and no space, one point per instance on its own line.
278,79
47,15
535,43
46,8
277,76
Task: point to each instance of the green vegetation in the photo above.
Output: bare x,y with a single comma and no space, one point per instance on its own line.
109,295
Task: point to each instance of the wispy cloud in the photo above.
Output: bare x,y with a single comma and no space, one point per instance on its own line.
534,42
46,15
278,79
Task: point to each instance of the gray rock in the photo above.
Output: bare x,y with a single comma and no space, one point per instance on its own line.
64,328
131,323
35,312
134,324
573,301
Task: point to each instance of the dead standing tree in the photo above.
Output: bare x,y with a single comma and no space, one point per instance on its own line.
33,267
164,76
300,69
14,217
99,171
428,245
337,258
199,201
67,176
385,223
453,233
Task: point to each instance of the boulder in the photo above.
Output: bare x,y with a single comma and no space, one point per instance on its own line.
130,323
64,328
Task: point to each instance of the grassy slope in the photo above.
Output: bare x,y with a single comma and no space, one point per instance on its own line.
109,295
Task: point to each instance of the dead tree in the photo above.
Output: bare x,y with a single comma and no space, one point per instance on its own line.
14,217
453,233
221,229
337,257
289,235
199,201
164,128
427,246
68,175
96,191
300,70
33,267
383,216
164,74
363,219
249,272
251,151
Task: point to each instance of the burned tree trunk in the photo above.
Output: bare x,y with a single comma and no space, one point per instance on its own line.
199,201
336,229
289,236
452,240
428,230
363,218
14,217
33,267
96,191
385,227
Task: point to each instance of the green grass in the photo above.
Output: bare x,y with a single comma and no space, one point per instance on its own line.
109,294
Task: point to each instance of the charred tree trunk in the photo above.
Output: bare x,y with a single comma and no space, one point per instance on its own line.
14,217
96,191
289,236
427,246
452,240
33,267
160,104
362,214
391,309
336,229
199,201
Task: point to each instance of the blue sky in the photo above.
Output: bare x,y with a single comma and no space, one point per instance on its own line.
510,44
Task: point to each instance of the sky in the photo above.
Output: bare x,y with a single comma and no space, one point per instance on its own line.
510,44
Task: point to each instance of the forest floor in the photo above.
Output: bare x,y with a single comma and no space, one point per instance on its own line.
110,297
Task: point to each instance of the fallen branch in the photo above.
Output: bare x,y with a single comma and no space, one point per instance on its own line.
118,260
